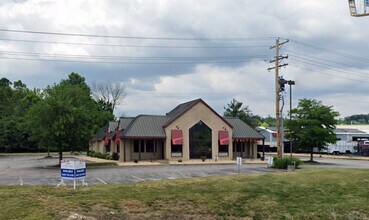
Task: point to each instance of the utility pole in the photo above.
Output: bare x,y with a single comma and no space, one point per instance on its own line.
277,60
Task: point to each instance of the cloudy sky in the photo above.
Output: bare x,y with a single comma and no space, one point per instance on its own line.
172,51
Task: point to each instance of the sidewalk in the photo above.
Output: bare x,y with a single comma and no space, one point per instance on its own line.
349,157
219,162
170,162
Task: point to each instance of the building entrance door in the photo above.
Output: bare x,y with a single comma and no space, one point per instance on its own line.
200,141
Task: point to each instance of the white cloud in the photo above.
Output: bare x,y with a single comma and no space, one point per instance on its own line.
319,23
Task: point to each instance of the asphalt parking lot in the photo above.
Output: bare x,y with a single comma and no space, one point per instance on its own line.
30,170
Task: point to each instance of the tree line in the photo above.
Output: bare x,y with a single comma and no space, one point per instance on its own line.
60,117
64,116
355,119
236,110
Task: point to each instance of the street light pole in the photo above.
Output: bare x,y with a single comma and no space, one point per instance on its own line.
291,83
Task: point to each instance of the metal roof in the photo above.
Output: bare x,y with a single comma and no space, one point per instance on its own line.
112,126
112,134
101,133
242,130
181,108
184,107
150,126
124,122
348,131
146,126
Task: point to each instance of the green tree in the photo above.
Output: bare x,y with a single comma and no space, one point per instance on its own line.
234,109
15,100
313,125
271,121
67,116
357,119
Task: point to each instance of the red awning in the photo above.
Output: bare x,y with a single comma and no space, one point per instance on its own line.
106,140
177,137
223,137
117,139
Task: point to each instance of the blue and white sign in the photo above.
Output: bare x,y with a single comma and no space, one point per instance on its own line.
72,169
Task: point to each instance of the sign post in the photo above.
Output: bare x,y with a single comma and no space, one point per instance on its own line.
73,170
239,163
270,162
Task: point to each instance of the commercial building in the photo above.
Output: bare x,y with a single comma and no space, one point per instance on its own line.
192,130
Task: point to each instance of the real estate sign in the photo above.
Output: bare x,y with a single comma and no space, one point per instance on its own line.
72,169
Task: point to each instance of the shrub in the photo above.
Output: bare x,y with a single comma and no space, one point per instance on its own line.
115,156
104,156
284,162
91,153
98,155
101,156
135,160
180,161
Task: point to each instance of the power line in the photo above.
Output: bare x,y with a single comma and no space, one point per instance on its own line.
330,74
129,63
23,53
322,59
362,59
326,66
136,46
137,37
189,93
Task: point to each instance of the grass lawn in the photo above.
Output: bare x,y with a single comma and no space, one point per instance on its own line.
309,193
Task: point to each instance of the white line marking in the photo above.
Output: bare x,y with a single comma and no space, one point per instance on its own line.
101,180
137,178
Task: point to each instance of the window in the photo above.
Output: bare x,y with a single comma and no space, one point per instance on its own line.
108,148
200,141
239,146
149,146
118,148
223,148
176,150
142,146
137,144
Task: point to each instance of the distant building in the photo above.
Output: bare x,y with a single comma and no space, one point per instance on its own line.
347,138
270,134
350,133
192,130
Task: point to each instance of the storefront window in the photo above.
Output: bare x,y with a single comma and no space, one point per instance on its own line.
149,146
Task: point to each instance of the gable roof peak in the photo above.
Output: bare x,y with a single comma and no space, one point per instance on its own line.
179,109
184,107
